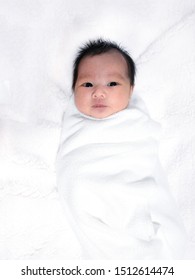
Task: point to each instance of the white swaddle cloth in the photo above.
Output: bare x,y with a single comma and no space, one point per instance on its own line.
112,188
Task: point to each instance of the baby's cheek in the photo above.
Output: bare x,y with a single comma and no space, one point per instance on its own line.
82,106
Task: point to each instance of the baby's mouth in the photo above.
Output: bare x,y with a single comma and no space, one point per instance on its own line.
99,106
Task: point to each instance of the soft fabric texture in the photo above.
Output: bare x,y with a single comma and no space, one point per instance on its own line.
112,186
38,42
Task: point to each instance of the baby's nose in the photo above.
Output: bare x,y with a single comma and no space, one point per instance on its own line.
99,93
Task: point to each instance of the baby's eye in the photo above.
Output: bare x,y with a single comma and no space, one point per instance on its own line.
112,84
87,84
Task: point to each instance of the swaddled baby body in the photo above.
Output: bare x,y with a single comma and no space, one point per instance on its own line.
109,177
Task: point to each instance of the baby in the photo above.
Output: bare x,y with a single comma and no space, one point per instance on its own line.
109,177
103,79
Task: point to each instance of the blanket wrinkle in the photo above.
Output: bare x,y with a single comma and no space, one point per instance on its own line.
37,47
171,30
107,176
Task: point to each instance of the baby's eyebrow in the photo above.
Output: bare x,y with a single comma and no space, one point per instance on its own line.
88,76
84,76
117,76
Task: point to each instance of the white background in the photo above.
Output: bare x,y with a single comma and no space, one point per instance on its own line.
38,41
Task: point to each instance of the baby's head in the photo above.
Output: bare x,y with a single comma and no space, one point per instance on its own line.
103,79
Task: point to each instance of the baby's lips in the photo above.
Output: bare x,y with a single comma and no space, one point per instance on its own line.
99,105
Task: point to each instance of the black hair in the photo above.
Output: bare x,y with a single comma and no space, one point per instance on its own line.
100,46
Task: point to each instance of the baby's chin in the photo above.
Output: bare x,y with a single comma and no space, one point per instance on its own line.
99,113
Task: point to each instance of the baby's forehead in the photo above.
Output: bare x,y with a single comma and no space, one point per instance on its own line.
109,58
110,64
98,56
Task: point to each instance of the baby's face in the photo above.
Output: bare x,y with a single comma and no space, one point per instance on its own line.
103,86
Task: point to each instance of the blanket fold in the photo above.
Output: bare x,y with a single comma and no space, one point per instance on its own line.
111,184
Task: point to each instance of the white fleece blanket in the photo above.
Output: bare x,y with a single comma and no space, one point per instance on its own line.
112,186
38,42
